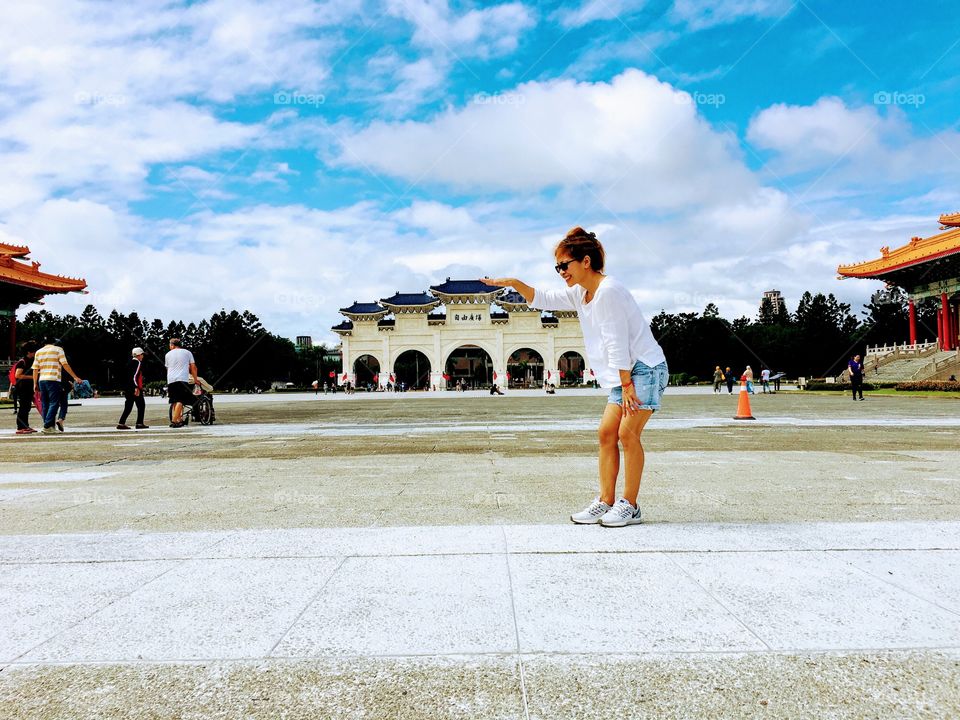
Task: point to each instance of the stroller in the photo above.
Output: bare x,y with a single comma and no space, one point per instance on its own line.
202,407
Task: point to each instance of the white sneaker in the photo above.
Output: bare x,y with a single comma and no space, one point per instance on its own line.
591,514
621,514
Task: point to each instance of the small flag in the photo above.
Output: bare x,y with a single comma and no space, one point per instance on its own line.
548,374
562,374
494,374
332,374
376,378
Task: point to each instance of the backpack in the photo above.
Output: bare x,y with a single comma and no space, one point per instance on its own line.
12,375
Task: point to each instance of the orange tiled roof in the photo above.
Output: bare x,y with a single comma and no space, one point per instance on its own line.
950,219
26,275
917,251
14,251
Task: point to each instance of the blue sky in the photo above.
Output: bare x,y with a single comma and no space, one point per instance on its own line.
301,155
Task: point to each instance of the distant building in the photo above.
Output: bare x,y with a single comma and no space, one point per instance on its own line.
304,342
776,301
462,331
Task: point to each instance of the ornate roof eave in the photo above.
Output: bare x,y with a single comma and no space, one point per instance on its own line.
917,251
29,276
409,309
468,299
363,317
515,307
14,251
950,219
564,314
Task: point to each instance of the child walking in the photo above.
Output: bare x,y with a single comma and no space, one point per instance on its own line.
624,355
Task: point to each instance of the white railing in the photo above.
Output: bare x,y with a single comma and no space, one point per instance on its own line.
904,349
934,366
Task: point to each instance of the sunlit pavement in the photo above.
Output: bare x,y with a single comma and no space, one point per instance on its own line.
379,562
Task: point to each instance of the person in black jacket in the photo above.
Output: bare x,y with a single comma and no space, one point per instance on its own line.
133,391
23,388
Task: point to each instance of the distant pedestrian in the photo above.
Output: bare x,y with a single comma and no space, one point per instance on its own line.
23,387
181,372
728,375
66,389
855,368
748,374
765,379
133,391
717,379
48,364
776,382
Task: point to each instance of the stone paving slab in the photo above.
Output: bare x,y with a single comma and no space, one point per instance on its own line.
470,591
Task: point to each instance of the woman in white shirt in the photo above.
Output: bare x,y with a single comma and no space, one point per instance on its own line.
625,357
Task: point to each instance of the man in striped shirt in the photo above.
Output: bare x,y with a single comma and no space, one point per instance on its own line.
47,365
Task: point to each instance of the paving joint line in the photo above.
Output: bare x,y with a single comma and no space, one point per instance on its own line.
516,624
307,605
719,602
620,655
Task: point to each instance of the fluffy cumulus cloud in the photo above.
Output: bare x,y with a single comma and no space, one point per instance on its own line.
849,148
107,91
633,143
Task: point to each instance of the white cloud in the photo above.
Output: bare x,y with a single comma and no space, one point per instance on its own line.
592,10
854,149
629,144
700,14
484,33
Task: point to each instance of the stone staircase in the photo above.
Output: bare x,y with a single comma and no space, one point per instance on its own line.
901,369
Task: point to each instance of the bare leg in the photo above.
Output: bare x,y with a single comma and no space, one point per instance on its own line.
609,452
177,412
630,429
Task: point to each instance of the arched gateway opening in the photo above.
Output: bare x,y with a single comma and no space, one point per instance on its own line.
412,370
526,368
365,369
571,367
471,366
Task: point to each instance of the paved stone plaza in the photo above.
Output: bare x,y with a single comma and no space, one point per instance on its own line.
411,556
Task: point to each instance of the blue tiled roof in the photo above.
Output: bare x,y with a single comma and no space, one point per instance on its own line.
345,325
464,287
411,299
512,297
364,308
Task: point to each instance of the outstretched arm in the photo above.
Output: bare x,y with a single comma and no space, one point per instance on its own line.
520,287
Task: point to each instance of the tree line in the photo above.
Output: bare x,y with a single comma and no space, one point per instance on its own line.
232,349
816,340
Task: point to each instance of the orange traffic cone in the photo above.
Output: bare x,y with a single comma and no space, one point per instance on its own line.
743,405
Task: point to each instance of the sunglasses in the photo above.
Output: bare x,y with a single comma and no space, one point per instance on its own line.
562,267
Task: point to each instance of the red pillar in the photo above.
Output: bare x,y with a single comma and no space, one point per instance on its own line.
13,335
945,322
913,322
939,329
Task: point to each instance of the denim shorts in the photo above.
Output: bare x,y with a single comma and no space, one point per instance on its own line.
649,382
